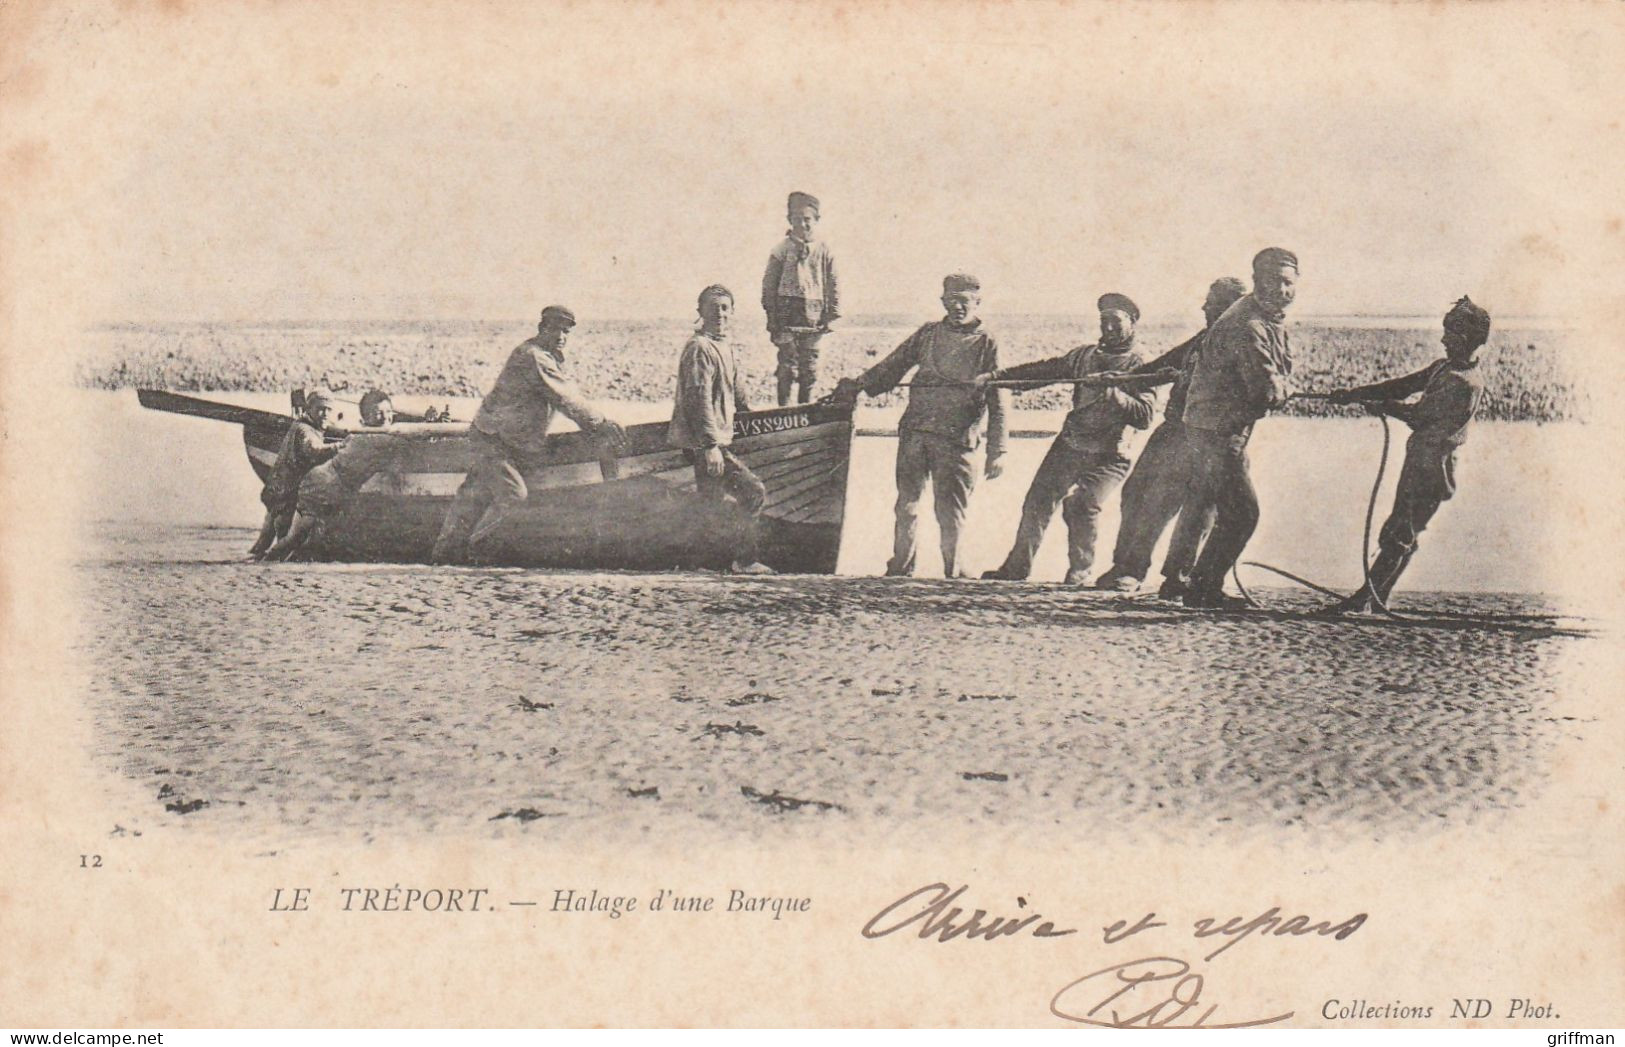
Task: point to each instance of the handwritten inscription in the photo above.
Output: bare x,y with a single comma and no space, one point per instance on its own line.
1155,992
1270,922
933,908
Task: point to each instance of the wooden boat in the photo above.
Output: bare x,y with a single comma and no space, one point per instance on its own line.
640,512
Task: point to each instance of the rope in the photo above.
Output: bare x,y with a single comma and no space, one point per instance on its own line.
1100,379
1370,512
1365,544
1306,583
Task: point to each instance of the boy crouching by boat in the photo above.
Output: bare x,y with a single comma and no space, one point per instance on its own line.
303,448
1450,390
378,412
328,489
709,390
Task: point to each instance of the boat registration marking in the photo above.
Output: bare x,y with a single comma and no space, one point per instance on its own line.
771,424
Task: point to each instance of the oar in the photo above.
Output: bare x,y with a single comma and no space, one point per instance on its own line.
176,403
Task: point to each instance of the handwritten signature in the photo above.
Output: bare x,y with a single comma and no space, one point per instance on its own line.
1156,992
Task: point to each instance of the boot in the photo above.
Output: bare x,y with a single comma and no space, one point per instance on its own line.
1172,588
804,391
1355,603
785,382
1386,571
1118,582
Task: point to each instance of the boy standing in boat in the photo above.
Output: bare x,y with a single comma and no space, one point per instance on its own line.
1090,456
1450,390
942,426
801,298
509,435
710,390
303,448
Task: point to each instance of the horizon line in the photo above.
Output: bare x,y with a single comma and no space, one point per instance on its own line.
655,318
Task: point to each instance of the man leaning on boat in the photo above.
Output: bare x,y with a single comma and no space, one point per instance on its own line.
709,390
509,434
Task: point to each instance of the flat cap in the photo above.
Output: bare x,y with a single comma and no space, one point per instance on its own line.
1274,258
315,398
961,283
798,200
1120,302
560,315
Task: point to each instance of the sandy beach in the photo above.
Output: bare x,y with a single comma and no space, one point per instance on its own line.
334,700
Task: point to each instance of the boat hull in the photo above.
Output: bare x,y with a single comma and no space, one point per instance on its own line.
641,512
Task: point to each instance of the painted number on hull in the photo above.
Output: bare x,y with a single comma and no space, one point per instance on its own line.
774,424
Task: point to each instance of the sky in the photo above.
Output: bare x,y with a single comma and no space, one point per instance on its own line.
349,162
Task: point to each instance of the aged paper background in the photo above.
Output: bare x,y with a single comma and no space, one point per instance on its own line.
174,929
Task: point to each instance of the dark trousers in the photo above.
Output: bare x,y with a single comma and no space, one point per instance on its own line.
951,468
1079,482
1152,496
1218,483
494,486
798,363
1426,482
742,489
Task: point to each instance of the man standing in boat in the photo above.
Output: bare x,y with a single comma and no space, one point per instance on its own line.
1090,456
1241,375
942,427
509,435
710,390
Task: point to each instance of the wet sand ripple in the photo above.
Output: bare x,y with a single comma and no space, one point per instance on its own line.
326,699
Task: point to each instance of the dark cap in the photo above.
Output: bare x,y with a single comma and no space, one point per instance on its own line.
559,315
799,200
1227,289
1274,258
961,283
1469,318
1120,302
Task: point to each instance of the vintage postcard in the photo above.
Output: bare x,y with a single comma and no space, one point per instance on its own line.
924,514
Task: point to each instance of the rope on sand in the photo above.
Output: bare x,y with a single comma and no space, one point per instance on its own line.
1365,544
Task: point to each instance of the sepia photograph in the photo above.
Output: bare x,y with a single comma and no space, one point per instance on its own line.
812,514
